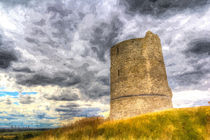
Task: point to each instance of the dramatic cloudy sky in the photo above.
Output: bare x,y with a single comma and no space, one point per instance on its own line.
54,54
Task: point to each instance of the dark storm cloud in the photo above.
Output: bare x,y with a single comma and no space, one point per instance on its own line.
63,96
160,7
15,2
72,105
104,80
6,57
42,115
58,9
26,99
70,108
24,70
67,113
63,22
37,32
32,40
63,19
197,55
42,22
7,52
89,85
198,48
190,78
1,43
61,79
104,36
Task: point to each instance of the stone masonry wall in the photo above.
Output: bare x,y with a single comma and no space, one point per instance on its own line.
138,78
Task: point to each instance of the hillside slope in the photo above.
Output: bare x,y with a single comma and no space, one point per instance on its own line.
176,124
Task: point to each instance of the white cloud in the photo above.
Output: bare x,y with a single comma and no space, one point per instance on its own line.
190,98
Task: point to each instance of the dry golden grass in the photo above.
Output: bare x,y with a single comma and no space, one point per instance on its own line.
172,124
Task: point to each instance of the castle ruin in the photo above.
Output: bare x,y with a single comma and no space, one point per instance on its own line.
138,78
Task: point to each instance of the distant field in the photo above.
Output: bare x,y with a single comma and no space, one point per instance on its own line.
176,124
19,135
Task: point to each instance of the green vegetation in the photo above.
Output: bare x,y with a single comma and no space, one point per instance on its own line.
175,124
19,135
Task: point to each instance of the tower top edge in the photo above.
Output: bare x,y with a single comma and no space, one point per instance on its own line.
148,34
126,41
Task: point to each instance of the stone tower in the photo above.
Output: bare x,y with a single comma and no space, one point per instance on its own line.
138,78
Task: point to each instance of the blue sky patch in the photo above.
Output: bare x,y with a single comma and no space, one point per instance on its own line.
4,93
28,93
16,103
1,88
15,93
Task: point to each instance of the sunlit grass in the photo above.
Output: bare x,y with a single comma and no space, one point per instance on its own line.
175,124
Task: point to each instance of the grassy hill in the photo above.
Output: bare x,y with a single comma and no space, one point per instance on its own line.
19,135
176,124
